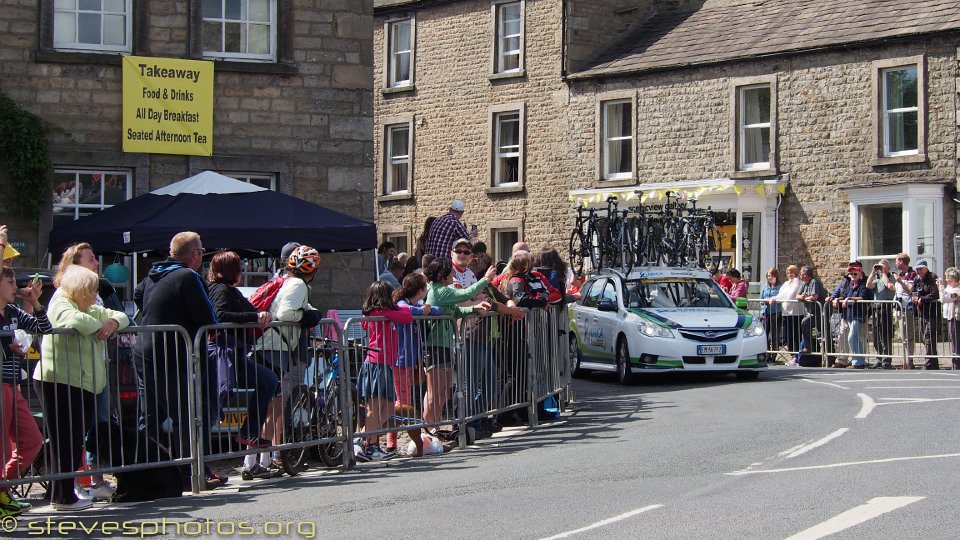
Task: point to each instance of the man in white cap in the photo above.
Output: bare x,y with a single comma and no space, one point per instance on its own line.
445,230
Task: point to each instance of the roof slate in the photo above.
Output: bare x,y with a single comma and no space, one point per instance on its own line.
733,31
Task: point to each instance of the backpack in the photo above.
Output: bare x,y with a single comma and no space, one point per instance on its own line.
263,297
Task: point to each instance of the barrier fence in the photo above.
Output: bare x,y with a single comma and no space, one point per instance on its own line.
887,333
153,398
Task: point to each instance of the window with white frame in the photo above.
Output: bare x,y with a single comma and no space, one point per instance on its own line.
503,241
881,232
266,181
754,127
886,220
400,240
900,106
400,57
507,153
78,193
397,162
617,133
92,25
240,29
508,43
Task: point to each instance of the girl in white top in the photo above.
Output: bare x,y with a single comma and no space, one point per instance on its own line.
950,298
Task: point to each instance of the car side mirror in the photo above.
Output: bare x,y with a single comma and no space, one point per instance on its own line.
741,302
607,305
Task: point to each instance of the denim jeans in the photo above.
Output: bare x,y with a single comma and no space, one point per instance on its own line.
483,374
855,340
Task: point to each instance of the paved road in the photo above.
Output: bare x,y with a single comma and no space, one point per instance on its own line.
801,453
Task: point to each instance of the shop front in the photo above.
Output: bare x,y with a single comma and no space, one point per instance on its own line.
745,211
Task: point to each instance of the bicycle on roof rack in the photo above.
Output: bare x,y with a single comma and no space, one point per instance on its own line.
678,234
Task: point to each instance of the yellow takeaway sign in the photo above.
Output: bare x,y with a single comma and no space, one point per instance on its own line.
167,106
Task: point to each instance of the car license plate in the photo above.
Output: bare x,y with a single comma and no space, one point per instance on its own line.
711,350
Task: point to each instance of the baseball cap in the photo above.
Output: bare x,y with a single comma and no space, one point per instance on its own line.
287,249
852,268
457,205
922,263
459,241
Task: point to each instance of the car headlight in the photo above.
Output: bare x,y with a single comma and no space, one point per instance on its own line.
755,329
650,329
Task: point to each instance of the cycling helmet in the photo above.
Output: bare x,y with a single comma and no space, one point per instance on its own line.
304,259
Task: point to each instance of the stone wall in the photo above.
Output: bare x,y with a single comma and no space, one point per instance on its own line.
308,118
451,102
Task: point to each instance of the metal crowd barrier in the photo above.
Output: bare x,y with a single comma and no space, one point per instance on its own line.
138,421
173,401
884,332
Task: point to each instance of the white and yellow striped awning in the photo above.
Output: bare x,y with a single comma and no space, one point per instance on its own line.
649,193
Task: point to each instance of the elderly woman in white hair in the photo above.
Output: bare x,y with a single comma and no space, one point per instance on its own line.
72,371
950,298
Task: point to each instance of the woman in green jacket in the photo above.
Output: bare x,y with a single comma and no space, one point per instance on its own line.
72,371
439,344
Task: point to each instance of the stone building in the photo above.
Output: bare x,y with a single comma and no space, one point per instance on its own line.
827,128
292,107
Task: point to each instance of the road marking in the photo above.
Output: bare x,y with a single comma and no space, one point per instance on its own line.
910,387
868,405
875,507
899,401
826,383
842,464
605,522
890,380
816,444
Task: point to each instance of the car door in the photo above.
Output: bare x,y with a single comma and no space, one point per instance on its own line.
609,322
586,319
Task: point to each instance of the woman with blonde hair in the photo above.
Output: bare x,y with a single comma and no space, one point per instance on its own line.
792,311
72,371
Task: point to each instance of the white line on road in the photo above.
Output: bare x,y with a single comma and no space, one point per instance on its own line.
605,522
892,380
911,387
816,444
873,508
844,464
868,405
826,383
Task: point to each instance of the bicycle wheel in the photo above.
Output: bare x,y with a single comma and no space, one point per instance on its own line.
576,252
594,243
331,454
298,413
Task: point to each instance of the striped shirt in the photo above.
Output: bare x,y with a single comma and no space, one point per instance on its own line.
15,318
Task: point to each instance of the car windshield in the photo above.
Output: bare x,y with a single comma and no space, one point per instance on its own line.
675,292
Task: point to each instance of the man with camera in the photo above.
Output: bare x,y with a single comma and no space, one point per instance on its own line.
904,289
883,284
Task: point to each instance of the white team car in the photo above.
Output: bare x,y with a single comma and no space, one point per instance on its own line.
662,319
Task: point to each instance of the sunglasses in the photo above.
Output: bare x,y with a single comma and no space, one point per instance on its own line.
463,252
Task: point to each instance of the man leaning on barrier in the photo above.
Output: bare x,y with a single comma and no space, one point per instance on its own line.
172,293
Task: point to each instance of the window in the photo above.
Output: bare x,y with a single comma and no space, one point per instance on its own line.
754,122
240,29
503,241
95,25
900,111
899,114
593,296
400,56
617,130
266,181
886,220
398,163
508,44
78,193
507,155
400,240
881,232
